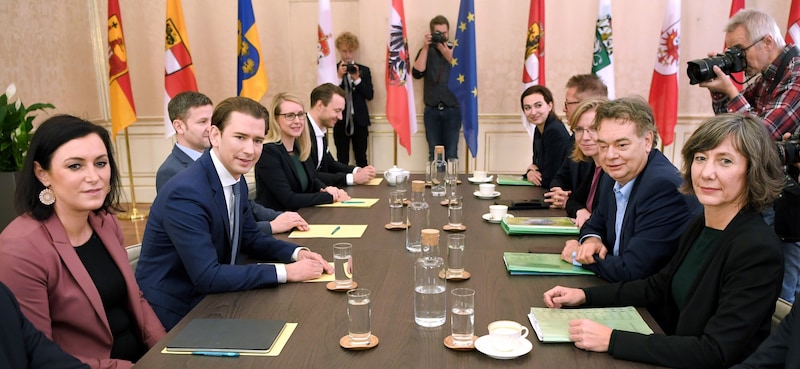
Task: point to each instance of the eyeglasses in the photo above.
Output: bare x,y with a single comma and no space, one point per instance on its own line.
754,43
580,131
568,103
292,116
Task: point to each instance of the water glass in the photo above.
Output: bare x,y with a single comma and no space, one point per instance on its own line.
462,316
402,181
343,264
359,311
455,211
455,255
452,168
397,210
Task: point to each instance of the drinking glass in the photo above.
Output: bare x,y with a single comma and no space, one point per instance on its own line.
359,311
462,316
343,264
455,211
397,210
455,255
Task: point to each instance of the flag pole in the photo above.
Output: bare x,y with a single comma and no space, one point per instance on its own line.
395,148
132,213
466,162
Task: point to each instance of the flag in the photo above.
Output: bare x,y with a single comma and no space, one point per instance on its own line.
400,109
664,86
793,29
603,58
178,67
326,59
251,79
464,75
737,5
533,69
123,112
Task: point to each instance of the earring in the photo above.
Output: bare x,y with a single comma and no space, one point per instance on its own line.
47,197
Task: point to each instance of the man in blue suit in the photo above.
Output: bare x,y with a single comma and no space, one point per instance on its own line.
190,113
200,224
634,231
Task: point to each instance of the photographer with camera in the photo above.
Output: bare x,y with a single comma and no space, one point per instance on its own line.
756,46
442,115
356,81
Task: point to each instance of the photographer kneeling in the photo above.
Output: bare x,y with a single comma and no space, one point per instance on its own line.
757,47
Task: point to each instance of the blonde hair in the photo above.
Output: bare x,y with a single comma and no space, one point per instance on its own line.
584,107
303,143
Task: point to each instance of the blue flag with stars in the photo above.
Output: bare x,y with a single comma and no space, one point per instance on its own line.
464,75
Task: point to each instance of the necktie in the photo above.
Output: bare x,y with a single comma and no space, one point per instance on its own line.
235,227
348,115
593,188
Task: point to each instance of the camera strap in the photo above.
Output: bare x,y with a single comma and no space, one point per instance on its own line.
781,67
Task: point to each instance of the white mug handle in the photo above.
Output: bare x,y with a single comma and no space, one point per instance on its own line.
524,331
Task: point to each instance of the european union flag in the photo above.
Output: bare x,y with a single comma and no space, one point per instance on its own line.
464,75
251,79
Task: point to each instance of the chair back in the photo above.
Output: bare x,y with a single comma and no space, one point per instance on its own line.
133,255
782,308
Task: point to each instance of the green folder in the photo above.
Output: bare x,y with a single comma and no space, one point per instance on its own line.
552,325
513,180
539,225
525,263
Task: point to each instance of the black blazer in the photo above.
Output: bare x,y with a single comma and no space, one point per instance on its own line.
729,306
580,195
781,349
24,346
362,93
572,173
549,148
330,171
277,183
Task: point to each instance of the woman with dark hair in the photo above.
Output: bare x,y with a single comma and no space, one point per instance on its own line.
550,137
715,298
64,257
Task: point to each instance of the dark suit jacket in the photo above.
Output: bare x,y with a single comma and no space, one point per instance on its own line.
571,173
56,293
362,93
24,346
729,305
654,219
277,183
580,195
781,349
330,171
186,249
549,148
177,161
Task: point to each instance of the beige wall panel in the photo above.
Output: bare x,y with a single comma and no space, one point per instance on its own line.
507,152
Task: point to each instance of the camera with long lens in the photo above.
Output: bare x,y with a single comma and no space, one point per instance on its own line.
789,150
701,70
438,37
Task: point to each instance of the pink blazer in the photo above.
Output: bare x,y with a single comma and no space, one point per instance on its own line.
56,293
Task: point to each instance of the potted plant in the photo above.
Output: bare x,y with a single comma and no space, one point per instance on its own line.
16,123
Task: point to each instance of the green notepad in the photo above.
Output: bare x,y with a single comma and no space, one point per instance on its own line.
552,325
539,225
524,263
227,335
513,180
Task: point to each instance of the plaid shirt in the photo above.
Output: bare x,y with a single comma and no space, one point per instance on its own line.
781,110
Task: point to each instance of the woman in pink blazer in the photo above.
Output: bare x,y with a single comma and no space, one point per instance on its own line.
64,257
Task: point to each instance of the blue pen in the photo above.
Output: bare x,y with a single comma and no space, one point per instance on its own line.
216,353
352,202
336,229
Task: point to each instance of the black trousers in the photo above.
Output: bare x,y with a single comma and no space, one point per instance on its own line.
342,142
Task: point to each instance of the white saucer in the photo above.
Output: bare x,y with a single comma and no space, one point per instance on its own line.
484,345
488,217
485,180
480,196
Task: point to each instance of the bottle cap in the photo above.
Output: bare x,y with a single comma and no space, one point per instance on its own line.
417,186
438,149
430,236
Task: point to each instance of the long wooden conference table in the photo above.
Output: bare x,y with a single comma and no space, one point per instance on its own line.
382,265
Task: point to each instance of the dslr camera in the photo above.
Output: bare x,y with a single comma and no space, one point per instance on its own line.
438,37
351,67
789,150
701,70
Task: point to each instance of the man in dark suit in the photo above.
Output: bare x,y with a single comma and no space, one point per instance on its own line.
634,231
327,105
356,81
190,113
201,219
781,349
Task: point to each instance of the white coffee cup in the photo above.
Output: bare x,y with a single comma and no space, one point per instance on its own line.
479,175
487,189
498,212
506,334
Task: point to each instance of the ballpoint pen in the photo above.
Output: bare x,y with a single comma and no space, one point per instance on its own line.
336,229
216,353
352,202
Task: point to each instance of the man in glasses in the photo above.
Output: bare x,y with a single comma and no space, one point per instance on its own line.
773,96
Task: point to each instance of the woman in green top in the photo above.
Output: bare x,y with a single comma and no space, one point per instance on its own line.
285,178
715,298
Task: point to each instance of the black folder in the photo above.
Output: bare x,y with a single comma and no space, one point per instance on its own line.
227,335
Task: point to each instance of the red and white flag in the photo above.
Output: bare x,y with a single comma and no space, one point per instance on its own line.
178,67
664,86
326,60
793,29
737,5
400,108
533,68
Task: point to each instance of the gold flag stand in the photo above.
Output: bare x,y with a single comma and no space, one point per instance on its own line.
132,213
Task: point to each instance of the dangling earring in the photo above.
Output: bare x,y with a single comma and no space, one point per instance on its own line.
47,197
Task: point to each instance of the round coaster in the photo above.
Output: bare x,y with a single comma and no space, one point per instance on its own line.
398,227
463,277
332,287
458,181
448,342
450,228
345,343
444,202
